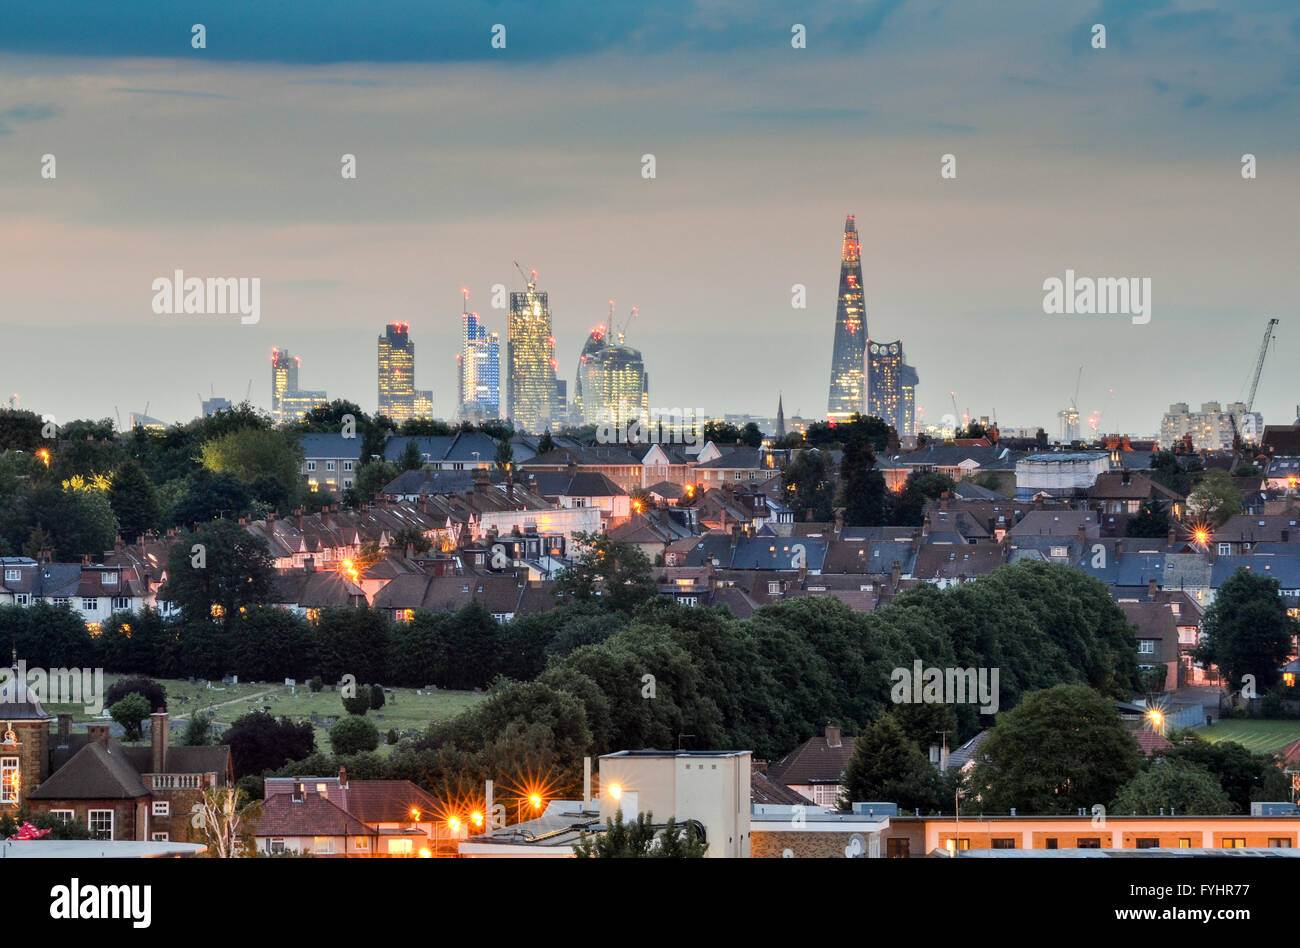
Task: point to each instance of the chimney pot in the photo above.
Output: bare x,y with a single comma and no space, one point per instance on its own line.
158,728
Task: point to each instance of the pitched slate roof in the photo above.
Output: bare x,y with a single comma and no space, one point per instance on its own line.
99,771
329,446
763,789
813,761
314,815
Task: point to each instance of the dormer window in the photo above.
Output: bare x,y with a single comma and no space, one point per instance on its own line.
108,579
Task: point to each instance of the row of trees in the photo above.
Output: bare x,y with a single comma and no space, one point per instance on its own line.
1061,750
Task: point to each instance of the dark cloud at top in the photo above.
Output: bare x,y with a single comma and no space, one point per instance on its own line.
398,31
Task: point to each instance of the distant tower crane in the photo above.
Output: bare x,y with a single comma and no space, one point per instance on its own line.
1254,386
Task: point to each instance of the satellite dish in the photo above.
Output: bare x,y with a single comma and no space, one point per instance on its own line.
856,847
787,854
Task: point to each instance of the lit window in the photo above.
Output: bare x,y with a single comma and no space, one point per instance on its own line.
10,779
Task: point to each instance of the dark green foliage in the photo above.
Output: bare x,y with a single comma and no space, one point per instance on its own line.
1151,521
1244,776
198,729
130,712
1247,630
357,703
353,734
134,500
640,839
154,693
233,568
619,573
862,487
887,765
1170,785
808,488
260,742
1058,751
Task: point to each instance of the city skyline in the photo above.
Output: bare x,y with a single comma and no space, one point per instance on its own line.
1121,162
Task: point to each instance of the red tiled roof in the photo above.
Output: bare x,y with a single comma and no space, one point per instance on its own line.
814,761
312,816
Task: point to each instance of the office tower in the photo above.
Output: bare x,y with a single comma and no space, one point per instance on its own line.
211,406
397,372
284,378
480,369
1211,428
534,402
891,386
612,386
847,392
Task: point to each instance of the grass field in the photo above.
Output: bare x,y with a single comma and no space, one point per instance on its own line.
1259,736
403,710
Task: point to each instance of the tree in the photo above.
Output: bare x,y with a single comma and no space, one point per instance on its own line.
198,729
1060,750
639,839
259,742
225,819
1168,472
377,699
918,490
887,765
545,444
619,573
1244,776
413,537
1247,630
154,694
359,703
1151,521
863,491
1174,786
215,571
208,496
134,500
806,480
252,453
372,477
353,734
130,712
1215,498
412,459
504,458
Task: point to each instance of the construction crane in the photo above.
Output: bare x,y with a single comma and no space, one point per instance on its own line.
524,276
622,333
1254,386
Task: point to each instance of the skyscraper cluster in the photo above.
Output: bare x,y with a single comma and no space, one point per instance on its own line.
867,377
612,386
535,397
479,363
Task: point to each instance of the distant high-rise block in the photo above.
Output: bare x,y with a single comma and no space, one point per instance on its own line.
847,389
534,401
480,369
284,378
397,372
891,386
612,386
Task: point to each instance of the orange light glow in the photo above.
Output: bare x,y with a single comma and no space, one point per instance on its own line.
536,801
476,818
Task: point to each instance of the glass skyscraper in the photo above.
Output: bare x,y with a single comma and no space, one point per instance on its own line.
398,398
847,391
612,386
480,369
533,398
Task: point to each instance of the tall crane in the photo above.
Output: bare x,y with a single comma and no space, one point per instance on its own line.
527,281
1259,363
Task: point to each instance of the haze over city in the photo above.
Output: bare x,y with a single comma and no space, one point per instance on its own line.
225,161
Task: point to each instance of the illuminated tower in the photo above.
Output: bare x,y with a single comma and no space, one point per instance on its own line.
284,379
532,396
480,368
847,391
612,386
397,372
891,386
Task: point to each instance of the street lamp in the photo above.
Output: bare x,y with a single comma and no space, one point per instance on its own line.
534,799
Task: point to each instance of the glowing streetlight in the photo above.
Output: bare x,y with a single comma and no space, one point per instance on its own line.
1156,718
453,824
536,801
44,455
616,791
476,818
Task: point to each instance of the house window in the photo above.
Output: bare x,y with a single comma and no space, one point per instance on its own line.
160,837
162,808
1089,842
108,579
10,779
773,588
323,845
22,599
362,842
13,575
89,605
1147,842
898,847
347,482
1234,842
275,846
121,602
1279,842
826,794
100,823
399,847
1146,646
329,465
1225,549
1050,843
347,465
62,600
1004,842
63,816
1185,842
311,465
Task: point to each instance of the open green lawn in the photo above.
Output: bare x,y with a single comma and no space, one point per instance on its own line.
403,708
1259,736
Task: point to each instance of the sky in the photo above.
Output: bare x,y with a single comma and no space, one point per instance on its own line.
225,161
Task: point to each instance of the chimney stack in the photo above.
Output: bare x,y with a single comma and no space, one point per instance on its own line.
309,564
1151,588
1082,535
343,777
158,740
586,784
833,735
97,732
65,728
1173,536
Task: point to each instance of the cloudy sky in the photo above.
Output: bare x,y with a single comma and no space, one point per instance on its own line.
225,161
